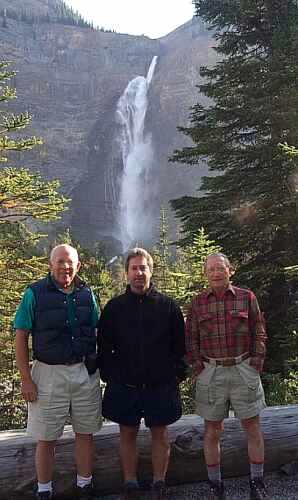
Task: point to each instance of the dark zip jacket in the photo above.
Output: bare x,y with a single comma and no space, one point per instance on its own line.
54,340
141,338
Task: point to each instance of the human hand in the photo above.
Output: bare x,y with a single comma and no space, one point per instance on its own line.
196,370
29,390
257,363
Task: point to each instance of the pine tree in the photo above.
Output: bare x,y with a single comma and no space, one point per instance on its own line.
249,202
187,269
162,256
24,196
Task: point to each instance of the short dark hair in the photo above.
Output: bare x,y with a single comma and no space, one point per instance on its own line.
138,252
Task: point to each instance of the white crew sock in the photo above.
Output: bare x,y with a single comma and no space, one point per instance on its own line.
83,481
45,487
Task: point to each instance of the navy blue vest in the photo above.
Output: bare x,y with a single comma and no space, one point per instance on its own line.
53,339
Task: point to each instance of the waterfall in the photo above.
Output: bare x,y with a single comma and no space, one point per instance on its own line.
137,156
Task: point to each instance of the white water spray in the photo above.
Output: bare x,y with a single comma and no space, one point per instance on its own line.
137,157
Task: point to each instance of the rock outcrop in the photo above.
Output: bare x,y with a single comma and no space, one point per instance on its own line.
70,78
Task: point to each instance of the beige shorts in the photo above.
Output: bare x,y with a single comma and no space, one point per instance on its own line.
64,391
219,389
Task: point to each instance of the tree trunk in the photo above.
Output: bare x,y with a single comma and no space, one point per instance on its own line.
279,424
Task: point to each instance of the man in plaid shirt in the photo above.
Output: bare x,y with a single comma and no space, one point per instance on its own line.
226,338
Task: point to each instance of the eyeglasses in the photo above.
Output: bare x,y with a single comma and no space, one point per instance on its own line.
216,269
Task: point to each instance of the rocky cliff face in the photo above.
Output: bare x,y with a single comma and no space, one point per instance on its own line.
71,78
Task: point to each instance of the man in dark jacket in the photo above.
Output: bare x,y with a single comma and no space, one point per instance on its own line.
141,336
61,314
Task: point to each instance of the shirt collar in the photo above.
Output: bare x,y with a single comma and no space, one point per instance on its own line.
77,283
148,292
229,288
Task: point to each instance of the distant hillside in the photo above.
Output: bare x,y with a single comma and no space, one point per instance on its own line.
38,11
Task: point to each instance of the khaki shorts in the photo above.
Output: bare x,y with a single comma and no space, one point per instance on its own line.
220,388
64,391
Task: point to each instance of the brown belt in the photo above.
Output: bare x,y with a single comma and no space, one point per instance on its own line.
226,361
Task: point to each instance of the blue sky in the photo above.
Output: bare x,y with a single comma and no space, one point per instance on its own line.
154,18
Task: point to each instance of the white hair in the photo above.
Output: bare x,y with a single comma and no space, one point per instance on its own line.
223,256
66,247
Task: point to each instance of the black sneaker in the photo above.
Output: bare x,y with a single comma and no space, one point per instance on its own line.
131,491
159,490
258,489
86,493
217,490
44,495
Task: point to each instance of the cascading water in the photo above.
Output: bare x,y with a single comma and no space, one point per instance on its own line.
137,157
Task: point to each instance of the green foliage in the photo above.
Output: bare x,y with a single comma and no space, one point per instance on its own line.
280,390
66,15
248,204
187,391
189,273
24,196
19,266
178,271
61,13
162,257
95,273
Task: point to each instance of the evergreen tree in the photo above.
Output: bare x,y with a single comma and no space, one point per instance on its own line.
24,196
178,271
162,257
188,267
249,202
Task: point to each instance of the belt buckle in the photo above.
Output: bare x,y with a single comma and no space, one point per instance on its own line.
229,362
212,361
73,361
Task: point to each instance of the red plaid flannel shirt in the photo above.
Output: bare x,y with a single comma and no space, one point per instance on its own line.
225,327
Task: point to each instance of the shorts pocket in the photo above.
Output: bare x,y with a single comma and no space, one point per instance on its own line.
252,381
255,391
42,375
205,389
34,371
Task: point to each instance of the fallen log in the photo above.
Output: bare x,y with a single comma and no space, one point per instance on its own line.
279,424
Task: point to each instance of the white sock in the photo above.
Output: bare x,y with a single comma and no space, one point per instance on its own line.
45,487
83,481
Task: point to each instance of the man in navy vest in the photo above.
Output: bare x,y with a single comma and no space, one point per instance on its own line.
61,314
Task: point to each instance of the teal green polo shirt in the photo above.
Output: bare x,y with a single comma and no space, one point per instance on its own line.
24,316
